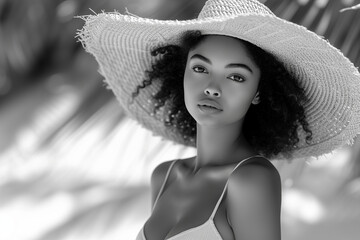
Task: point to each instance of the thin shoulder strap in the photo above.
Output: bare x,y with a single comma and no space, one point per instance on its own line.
163,184
219,201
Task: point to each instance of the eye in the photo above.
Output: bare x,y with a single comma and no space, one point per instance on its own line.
199,69
236,78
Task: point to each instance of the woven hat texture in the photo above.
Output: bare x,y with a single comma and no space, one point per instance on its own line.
122,44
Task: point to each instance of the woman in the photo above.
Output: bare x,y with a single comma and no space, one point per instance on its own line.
246,87
219,72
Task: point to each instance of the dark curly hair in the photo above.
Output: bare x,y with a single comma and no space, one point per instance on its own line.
270,126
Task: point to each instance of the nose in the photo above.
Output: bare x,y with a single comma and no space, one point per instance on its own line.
212,91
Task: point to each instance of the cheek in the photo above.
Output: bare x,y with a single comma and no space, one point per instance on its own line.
241,99
192,90
187,91
189,84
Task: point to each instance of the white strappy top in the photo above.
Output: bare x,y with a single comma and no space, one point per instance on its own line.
205,231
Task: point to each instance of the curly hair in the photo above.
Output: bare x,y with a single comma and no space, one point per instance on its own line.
271,126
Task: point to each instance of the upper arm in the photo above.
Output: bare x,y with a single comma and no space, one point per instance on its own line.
254,203
157,179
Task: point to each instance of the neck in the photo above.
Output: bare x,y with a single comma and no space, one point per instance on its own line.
220,145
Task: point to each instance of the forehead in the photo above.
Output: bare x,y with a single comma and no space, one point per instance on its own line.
219,45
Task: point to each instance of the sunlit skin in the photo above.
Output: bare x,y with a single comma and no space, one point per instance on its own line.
220,68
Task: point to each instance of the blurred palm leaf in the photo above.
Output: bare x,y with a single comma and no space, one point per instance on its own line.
67,126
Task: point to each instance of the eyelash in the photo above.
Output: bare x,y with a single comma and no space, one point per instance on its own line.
204,71
243,79
198,67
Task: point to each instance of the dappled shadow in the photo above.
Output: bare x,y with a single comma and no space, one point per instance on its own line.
73,166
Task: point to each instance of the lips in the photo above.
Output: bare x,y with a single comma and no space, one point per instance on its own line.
210,103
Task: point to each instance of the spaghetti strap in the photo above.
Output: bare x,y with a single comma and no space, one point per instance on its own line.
222,194
163,184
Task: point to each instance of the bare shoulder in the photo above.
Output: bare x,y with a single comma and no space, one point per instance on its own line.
254,199
158,177
258,172
159,172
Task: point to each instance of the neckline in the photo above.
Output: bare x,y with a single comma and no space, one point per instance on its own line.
215,208
189,230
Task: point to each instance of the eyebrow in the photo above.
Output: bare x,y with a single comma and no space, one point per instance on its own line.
231,65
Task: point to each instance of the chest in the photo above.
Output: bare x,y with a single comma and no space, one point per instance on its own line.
182,200
184,205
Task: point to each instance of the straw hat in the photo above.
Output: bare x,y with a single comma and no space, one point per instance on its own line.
122,43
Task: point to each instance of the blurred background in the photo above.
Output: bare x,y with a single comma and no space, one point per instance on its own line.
73,166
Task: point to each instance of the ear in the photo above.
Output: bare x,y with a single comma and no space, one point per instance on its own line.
256,99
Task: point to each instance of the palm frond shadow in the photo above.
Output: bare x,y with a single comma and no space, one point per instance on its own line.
105,219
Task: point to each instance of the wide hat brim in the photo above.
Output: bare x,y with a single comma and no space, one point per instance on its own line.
122,44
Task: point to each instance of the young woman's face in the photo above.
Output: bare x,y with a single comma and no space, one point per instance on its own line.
220,73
